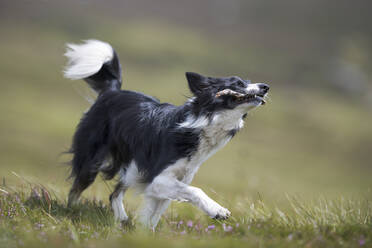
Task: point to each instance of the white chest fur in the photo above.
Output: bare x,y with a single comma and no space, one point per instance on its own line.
215,134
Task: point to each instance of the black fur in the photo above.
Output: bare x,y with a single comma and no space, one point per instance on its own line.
125,125
122,126
108,78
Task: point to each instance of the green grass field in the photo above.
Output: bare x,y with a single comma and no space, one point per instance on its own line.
297,175
36,217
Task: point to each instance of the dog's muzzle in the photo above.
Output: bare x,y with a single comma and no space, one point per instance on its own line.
256,92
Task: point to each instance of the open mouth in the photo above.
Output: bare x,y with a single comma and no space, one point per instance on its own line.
243,98
254,97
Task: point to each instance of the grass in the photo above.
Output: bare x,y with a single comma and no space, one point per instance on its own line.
34,215
38,217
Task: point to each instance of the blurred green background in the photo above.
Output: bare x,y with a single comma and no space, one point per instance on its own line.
313,138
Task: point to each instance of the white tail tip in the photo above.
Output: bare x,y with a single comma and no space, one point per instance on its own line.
86,59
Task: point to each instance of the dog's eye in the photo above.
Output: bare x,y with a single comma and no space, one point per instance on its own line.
241,84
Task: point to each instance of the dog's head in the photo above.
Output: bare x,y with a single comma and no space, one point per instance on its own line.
227,92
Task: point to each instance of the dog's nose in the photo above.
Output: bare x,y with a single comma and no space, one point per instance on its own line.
264,87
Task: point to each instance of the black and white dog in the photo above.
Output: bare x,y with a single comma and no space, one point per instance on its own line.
156,147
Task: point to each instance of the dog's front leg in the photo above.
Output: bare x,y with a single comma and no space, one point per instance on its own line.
152,210
167,187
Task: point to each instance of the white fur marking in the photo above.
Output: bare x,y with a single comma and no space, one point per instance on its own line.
191,100
118,207
160,209
147,210
193,122
86,59
252,89
151,211
131,177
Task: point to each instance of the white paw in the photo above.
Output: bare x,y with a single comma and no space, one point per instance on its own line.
220,213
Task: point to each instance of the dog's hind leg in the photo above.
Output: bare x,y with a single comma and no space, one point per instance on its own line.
116,200
81,182
85,167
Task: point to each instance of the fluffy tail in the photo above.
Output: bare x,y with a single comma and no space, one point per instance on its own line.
96,62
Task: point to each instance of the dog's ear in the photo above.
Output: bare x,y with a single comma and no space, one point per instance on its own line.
197,83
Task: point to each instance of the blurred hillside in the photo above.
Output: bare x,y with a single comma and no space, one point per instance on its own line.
313,137
304,43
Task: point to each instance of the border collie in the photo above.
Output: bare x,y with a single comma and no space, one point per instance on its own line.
156,147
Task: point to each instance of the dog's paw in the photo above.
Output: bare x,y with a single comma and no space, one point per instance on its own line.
221,213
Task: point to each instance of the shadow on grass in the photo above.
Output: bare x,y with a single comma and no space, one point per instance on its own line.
94,212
